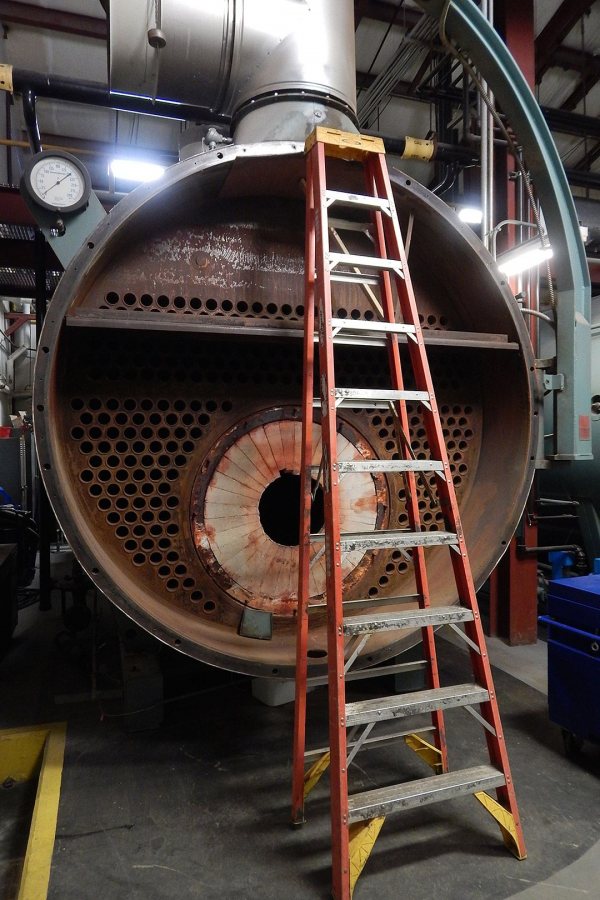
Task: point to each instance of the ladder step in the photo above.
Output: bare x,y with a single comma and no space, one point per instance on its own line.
370,325
367,202
412,618
371,399
393,540
381,801
367,262
369,394
381,709
386,465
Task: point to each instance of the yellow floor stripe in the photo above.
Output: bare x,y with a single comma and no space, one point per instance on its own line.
23,754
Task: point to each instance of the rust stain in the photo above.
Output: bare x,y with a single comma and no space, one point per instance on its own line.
364,503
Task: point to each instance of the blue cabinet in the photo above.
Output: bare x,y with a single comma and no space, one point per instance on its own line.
573,622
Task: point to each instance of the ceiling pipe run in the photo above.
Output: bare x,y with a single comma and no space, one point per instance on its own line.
94,93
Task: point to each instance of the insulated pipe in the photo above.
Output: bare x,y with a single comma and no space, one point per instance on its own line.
424,150
241,57
94,93
31,122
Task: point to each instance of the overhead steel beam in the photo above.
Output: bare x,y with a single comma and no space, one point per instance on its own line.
590,157
565,122
558,120
19,254
42,18
384,12
584,179
14,210
547,42
576,60
582,90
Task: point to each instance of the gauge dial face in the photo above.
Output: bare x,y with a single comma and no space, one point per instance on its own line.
57,182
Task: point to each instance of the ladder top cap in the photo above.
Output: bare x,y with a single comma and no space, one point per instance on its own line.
344,144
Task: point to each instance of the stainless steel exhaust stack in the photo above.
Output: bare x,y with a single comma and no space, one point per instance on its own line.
278,67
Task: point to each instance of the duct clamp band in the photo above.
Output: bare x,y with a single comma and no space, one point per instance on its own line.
417,148
6,77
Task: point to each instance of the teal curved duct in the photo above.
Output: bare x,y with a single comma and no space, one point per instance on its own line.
473,36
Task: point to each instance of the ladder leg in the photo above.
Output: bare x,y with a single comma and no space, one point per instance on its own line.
305,508
460,564
341,889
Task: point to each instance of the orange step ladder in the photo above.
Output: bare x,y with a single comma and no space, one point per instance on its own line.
357,819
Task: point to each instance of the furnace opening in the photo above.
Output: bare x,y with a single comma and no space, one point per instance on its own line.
279,509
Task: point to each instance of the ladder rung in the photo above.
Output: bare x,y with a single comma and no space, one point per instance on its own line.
348,225
354,278
383,540
367,262
381,801
379,740
386,465
373,672
381,709
412,618
370,325
370,602
346,199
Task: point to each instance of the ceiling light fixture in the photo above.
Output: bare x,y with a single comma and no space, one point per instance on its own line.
524,256
471,215
136,170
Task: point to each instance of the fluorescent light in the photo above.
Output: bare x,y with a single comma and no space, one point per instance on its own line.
584,231
136,170
471,215
523,257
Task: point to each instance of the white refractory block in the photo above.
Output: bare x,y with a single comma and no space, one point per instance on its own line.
274,691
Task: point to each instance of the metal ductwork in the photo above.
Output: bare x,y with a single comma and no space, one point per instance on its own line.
278,67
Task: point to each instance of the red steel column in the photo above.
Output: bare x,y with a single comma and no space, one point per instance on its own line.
513,584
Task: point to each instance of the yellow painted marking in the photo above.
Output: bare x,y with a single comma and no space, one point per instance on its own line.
417,148
362,837
428,753
313,775
21,751
505,820
23,754
344,144
6,78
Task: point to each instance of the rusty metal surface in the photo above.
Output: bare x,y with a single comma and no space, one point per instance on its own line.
136,427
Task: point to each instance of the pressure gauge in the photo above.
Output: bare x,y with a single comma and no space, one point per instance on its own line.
56,181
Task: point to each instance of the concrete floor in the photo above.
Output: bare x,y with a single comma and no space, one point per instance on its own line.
199,807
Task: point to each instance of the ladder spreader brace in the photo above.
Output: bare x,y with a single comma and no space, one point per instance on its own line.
357,819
